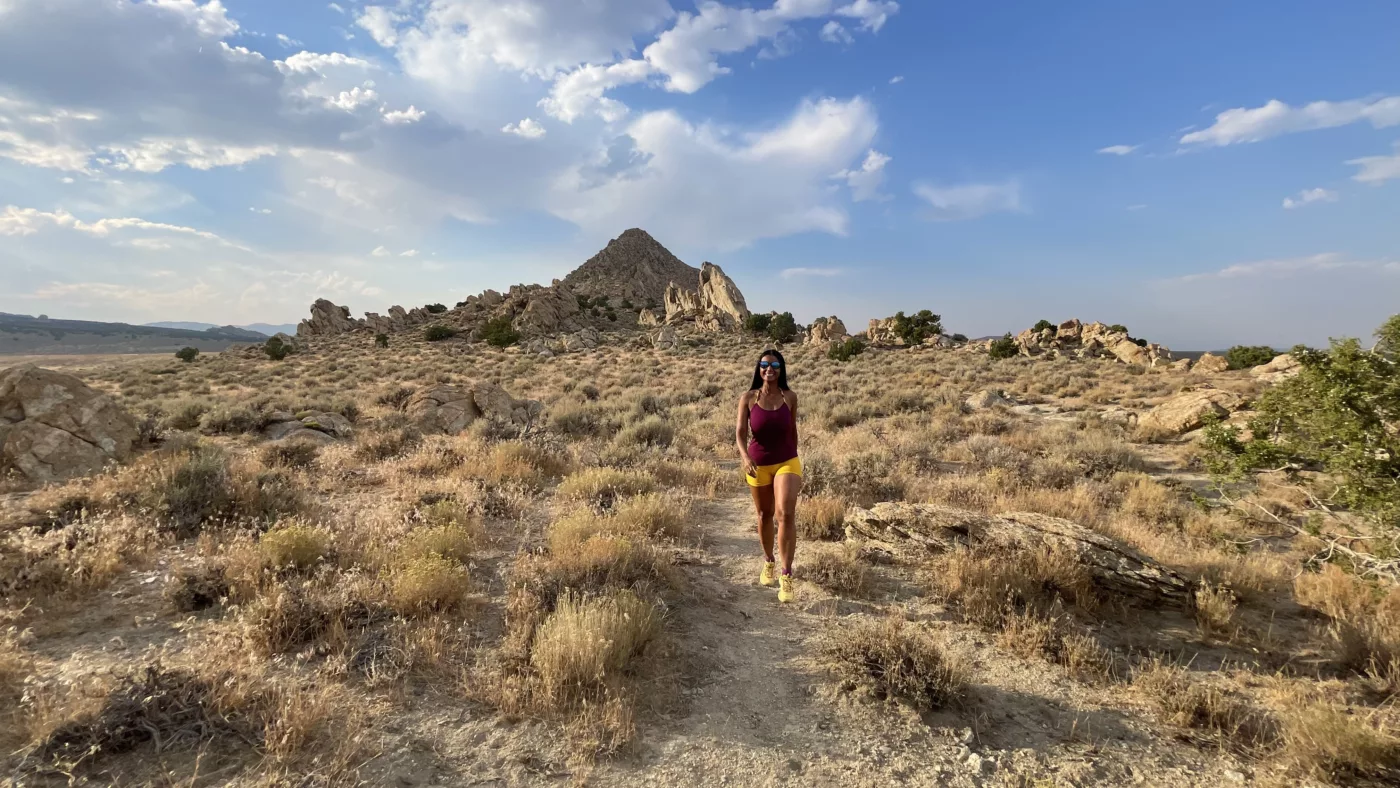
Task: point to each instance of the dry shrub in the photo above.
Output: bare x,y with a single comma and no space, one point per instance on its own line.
76,559
1214,607
295,546
194,588
1365,622
1149,501
1225,717
653,431
837,568
892,660
452,540
1100,455
990,585
524,464
426,584
300,729
697,476
293,454
587,640
15,667
821,517
381,446
1321,739
284,618
1057,639
601,487
653,514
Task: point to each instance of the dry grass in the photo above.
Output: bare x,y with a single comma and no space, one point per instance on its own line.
837,568
820,518
587,640
1209,708
988,586
1323,739
894,661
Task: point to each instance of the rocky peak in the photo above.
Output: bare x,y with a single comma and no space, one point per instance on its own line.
634,266
716,305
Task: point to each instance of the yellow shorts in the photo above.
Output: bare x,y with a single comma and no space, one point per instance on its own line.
764,474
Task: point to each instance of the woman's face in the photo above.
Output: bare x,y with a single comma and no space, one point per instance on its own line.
770,369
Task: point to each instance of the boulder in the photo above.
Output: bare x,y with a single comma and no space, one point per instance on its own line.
494,403
717,305
1186,411
647,319
332,424
825,330
1280,369
665,338
54,427
547,311
1069,330
327,319
296,432
1210,364
988,398
1184,365
1130,352
444,409
1111,566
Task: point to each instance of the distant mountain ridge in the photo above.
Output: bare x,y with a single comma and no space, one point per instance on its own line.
25,335
266,329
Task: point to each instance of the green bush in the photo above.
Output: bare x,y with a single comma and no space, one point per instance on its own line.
197,490
1003,348
1118,327
600,301
381,340
1248,356
914,330
276,349
627,304
758,323
187,354
583,302
845,351
611,315
1041,325
960,337
498,332
1336,415
435,309
438,332
782,328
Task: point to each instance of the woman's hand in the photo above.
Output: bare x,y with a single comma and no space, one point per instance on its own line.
750,469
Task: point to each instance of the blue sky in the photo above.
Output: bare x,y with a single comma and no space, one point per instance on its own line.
1205,173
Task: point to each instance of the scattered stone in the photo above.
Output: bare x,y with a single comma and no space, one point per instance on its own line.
988,398
1186,411
1210,364
53,426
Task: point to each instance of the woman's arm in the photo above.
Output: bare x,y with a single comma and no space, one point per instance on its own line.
741,433
792,405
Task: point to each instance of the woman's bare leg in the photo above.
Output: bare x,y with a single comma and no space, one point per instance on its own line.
763,506
785,490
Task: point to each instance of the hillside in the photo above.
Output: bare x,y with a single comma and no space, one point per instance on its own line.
25,335
265,329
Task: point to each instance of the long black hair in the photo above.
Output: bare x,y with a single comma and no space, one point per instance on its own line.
782,371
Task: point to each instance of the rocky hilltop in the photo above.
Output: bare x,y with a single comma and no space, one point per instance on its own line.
633,266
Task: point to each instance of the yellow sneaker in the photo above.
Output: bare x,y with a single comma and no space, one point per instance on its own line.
765,578
786,588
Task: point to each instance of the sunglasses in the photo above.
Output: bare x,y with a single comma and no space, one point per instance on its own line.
767,364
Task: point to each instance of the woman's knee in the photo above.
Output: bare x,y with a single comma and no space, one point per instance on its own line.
784,514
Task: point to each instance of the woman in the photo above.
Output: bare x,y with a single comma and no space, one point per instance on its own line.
768,413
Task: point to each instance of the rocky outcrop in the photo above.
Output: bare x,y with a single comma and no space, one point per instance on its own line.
647,318
988,398
826,330
327,319
880,331
546,311
53,426
1187,410
313,426
1182,365
717,304
665,338
451,409
1209,364
633,266
1073,339
1112,567
1280,369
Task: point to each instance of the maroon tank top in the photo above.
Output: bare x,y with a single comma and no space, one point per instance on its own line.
774,435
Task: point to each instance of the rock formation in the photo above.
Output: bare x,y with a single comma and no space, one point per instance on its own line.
1209,364
717,305
53,426
1113,567
633,266
1187,410
988,398
1280,369
826,330
313,426
1073,339
451,409
327,319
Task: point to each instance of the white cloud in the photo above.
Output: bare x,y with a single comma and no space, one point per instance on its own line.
1276,118
1377,169
971,200
1289,267
382,24
305,62
703,187
209,19
1119,150
336,7
582,90
156,154
263,211
865,182
1309,196
528,128
353,99
287,41
409,253
1137,207
404,117
28,221
834,32
380,251
793,273
895,80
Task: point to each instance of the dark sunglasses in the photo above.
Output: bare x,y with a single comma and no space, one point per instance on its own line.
767,364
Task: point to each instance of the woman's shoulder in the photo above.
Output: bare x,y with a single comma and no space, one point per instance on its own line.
747,397
790,397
